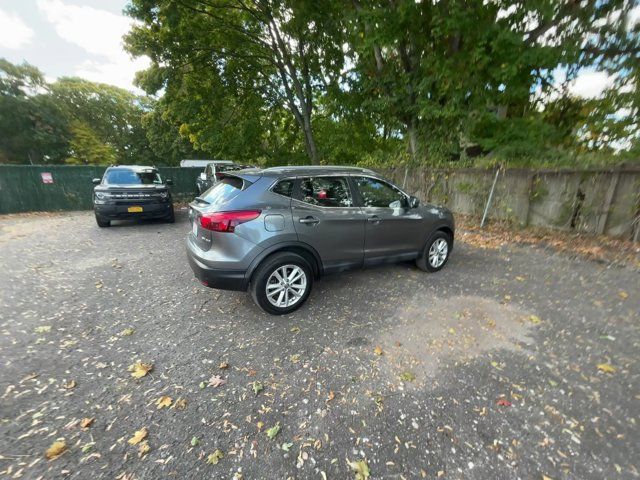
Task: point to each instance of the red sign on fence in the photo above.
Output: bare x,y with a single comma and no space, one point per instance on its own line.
46,177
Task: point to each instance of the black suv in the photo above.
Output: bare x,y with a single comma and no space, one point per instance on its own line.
131,192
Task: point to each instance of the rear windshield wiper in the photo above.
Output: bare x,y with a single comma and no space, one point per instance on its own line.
202,200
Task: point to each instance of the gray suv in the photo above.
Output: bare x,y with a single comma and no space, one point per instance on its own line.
274,231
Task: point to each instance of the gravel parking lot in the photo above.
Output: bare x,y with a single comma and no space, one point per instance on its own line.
510,363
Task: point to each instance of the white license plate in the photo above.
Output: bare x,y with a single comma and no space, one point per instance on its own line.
195,227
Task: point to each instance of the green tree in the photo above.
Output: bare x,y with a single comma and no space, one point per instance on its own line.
112,115
86,147
34,129
244,60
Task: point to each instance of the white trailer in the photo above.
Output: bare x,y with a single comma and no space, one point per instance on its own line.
202,163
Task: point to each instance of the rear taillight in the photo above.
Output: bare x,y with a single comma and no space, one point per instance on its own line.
227,221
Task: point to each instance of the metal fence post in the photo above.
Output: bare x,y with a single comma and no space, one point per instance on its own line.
486,208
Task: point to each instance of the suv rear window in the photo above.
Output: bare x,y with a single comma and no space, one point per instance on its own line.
223,191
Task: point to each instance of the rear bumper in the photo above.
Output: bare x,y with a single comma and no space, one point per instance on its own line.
216,278
120,212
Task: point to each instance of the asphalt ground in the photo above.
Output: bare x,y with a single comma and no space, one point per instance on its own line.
516,362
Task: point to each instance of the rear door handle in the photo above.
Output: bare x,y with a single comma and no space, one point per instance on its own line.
374,219
309,220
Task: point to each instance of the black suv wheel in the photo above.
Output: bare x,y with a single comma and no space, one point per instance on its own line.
102,222
436,252
282,283
171,218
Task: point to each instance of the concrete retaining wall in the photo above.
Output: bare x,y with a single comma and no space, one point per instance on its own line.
590,201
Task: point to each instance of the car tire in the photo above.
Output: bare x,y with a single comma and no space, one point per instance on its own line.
102,222
265,279
171,218
431,259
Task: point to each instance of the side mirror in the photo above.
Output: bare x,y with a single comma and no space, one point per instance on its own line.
203,176
414,202
96,181
168,181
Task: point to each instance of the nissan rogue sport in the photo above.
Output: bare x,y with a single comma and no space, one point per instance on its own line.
275,231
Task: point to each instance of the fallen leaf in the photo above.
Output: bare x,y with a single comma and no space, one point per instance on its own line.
295,330
143,449
68,343
331,396
86,422
378,350
126,332
69,385
295,358
43,329
139,369
503,402
56,449
361,469
495,364
545,477
216,381
180,404
163,401
260,425
87,446
138,436
194,441
286,446
407,377
534,319
215,457
223,365
257,388
273,431
606,368
623,295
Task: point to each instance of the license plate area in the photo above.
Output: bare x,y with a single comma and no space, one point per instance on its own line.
134,209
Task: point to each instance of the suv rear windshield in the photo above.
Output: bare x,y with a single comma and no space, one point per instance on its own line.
126,176
223,191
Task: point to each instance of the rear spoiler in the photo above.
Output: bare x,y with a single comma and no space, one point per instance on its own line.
250,175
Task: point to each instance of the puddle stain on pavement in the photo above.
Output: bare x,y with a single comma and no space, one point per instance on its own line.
452,331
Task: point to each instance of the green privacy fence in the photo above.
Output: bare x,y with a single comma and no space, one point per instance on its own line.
26,188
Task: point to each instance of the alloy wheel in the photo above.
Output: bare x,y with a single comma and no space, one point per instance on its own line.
286,286
438,252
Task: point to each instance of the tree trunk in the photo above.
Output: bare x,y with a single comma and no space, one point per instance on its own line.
312,150
299,96
412,133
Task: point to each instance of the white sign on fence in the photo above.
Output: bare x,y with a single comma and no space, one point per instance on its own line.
47,177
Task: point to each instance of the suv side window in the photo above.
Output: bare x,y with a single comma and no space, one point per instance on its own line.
376,193
283,187
326,191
